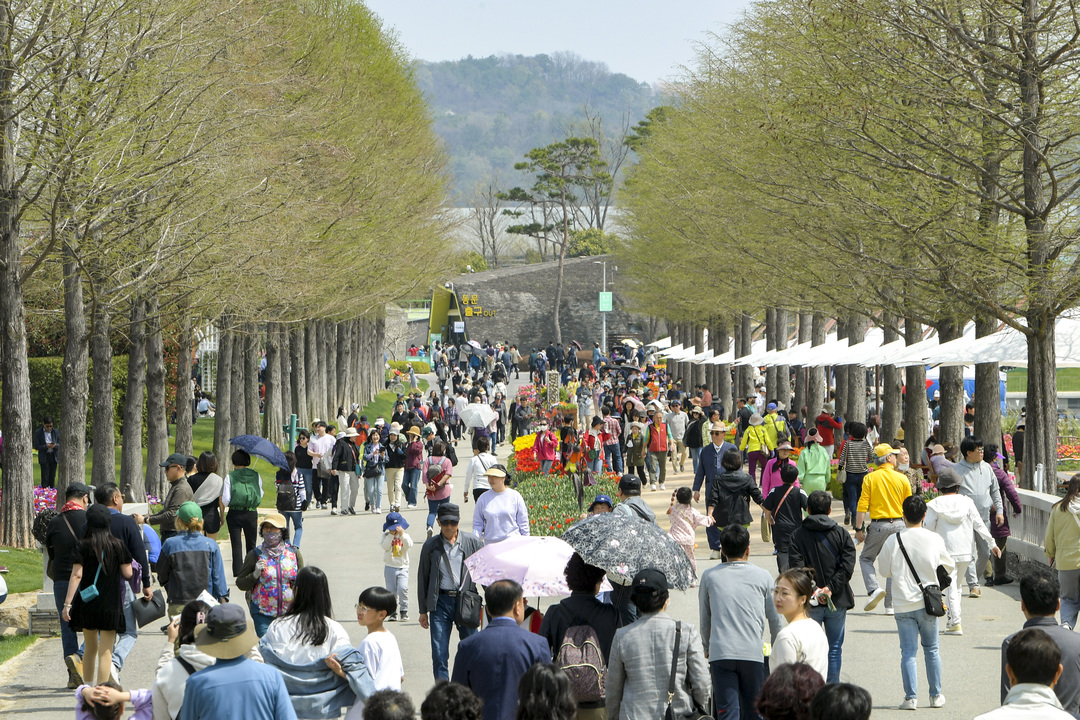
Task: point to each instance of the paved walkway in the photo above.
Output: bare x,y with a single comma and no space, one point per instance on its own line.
32,685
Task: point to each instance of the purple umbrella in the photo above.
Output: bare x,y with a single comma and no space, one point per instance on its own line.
261,447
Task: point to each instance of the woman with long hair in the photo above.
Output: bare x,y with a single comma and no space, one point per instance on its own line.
294,515
854,459
104,562
307,631
268,575
802,640
1063,548
544,694
207,485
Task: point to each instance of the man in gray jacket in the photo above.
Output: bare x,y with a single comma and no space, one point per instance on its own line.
735,601
978,482
630,502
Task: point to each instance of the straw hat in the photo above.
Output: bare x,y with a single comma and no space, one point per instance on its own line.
413,431
274,519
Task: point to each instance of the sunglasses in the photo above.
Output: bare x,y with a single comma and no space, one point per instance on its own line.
448,522
716,433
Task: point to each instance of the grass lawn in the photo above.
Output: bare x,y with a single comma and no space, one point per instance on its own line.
24,569
12,645
383,404
1068,380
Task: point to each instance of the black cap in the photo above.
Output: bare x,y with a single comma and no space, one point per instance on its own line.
628,483
98,516
448,511
649,580
174,459
76,489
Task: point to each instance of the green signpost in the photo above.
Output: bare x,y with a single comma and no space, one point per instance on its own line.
605,302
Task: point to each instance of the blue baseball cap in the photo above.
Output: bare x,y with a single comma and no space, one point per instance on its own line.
601,500
395,520
770,406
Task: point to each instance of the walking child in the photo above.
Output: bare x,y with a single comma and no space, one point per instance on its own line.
684,519
379,647
395,544
784,510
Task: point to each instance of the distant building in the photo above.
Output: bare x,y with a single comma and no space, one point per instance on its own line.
515,305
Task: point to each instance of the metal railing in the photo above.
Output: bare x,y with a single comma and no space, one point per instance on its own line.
1028,532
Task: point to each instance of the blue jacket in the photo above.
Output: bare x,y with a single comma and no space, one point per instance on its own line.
707,462
492,662
189,563
315,691
239,688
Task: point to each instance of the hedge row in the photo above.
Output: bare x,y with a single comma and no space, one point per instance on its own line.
420,366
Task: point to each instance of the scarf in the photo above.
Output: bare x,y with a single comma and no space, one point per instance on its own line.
273,544
71,505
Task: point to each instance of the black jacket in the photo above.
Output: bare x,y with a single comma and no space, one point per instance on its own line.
346,455
395,454
63,547
581,608
729,496
126,530
828,548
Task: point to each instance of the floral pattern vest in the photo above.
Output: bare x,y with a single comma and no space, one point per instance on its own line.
273,593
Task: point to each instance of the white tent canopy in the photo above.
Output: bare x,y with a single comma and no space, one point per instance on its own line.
673,350
662,344
1009,347
725,358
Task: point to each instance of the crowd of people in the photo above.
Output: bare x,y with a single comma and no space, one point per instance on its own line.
759,646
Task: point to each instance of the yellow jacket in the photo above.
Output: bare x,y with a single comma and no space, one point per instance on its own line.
1063,538
883,493
755,439
772,424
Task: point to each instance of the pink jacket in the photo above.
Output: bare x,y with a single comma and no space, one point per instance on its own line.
771,477
546,446
684,518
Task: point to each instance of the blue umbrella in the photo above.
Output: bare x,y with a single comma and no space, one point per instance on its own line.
261,447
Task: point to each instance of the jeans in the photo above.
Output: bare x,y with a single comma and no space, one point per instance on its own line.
757,459
596,466
912,627
1070,596
124,644
305,475
614,455
954,593
712,534
373,490
876,535
694,453
396,580
976,570
833,621
852,491
736,686
412,479
297,519
246,522
433,509
545,466
440,624
394,477
348,489
260,622
69,639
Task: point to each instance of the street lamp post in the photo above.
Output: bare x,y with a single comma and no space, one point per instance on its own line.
603,315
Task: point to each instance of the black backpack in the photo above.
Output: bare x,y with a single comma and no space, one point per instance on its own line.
286,495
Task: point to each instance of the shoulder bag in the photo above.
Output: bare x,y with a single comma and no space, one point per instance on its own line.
469,605
931,593
90,593
669,714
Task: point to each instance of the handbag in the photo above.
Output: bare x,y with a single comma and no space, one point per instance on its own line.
147,611
468,606
90,594
669,714
766,531
931,593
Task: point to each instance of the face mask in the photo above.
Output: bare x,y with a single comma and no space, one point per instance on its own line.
903,467
272,538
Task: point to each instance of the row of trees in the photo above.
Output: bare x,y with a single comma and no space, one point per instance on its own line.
908,163
267,167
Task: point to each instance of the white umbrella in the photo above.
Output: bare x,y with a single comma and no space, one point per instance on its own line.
477,415
631,343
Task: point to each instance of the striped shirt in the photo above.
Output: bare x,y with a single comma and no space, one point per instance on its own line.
855,454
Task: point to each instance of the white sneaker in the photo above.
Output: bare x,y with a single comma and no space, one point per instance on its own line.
377,511
909,704
954,630
334,512
663,486
937,701
412,507
890,611
654,487
875,599
714,555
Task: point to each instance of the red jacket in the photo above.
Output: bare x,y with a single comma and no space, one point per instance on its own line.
826,425
546,445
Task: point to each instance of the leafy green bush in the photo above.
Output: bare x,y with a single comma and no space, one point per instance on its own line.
45,379
420,366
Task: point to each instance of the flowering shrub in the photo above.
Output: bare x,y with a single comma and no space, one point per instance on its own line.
527,394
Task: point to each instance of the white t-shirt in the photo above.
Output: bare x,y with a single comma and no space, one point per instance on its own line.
281,636
380,651
801,641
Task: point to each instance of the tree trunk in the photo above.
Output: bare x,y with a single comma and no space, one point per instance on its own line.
840,372
805,335
915,409
562,258
223,407
157,419
74,379
698,371
104,442
344,340
185,392
328,365
856,373
17,510
771,335
816,387
251,380
311,377
987,390
285,350
745,372
721,343
1041,433
298,374
132,480
272,379
238,423
891,398
951,381
783,372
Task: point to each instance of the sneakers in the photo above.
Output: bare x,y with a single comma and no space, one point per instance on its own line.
411,506
334,512
975,592
890,611
1004,580
391,618
875,599
404,617
74,666
937,701
367,507
714,555
654,487
954,630
430,532
352,511
847,518
663,486
377,511
910,704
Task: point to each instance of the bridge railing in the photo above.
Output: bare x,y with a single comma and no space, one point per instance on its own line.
1028,532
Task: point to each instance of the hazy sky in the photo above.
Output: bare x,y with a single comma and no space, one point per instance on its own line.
642,38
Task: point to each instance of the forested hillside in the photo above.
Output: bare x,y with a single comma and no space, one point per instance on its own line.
492,110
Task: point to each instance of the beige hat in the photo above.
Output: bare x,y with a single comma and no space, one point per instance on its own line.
395,428
351,432
275,519
756,419
718,427
937,450
413,431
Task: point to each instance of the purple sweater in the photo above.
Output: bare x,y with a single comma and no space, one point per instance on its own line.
1009,491
141,703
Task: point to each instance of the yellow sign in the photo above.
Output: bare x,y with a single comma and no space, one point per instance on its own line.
468,312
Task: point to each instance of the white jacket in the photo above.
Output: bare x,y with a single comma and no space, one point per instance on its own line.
1028,701
171,682
474,474
926,550
954,517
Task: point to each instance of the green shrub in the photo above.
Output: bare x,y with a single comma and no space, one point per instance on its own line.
45,383
420,366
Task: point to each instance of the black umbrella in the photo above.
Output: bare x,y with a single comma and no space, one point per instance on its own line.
624,545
